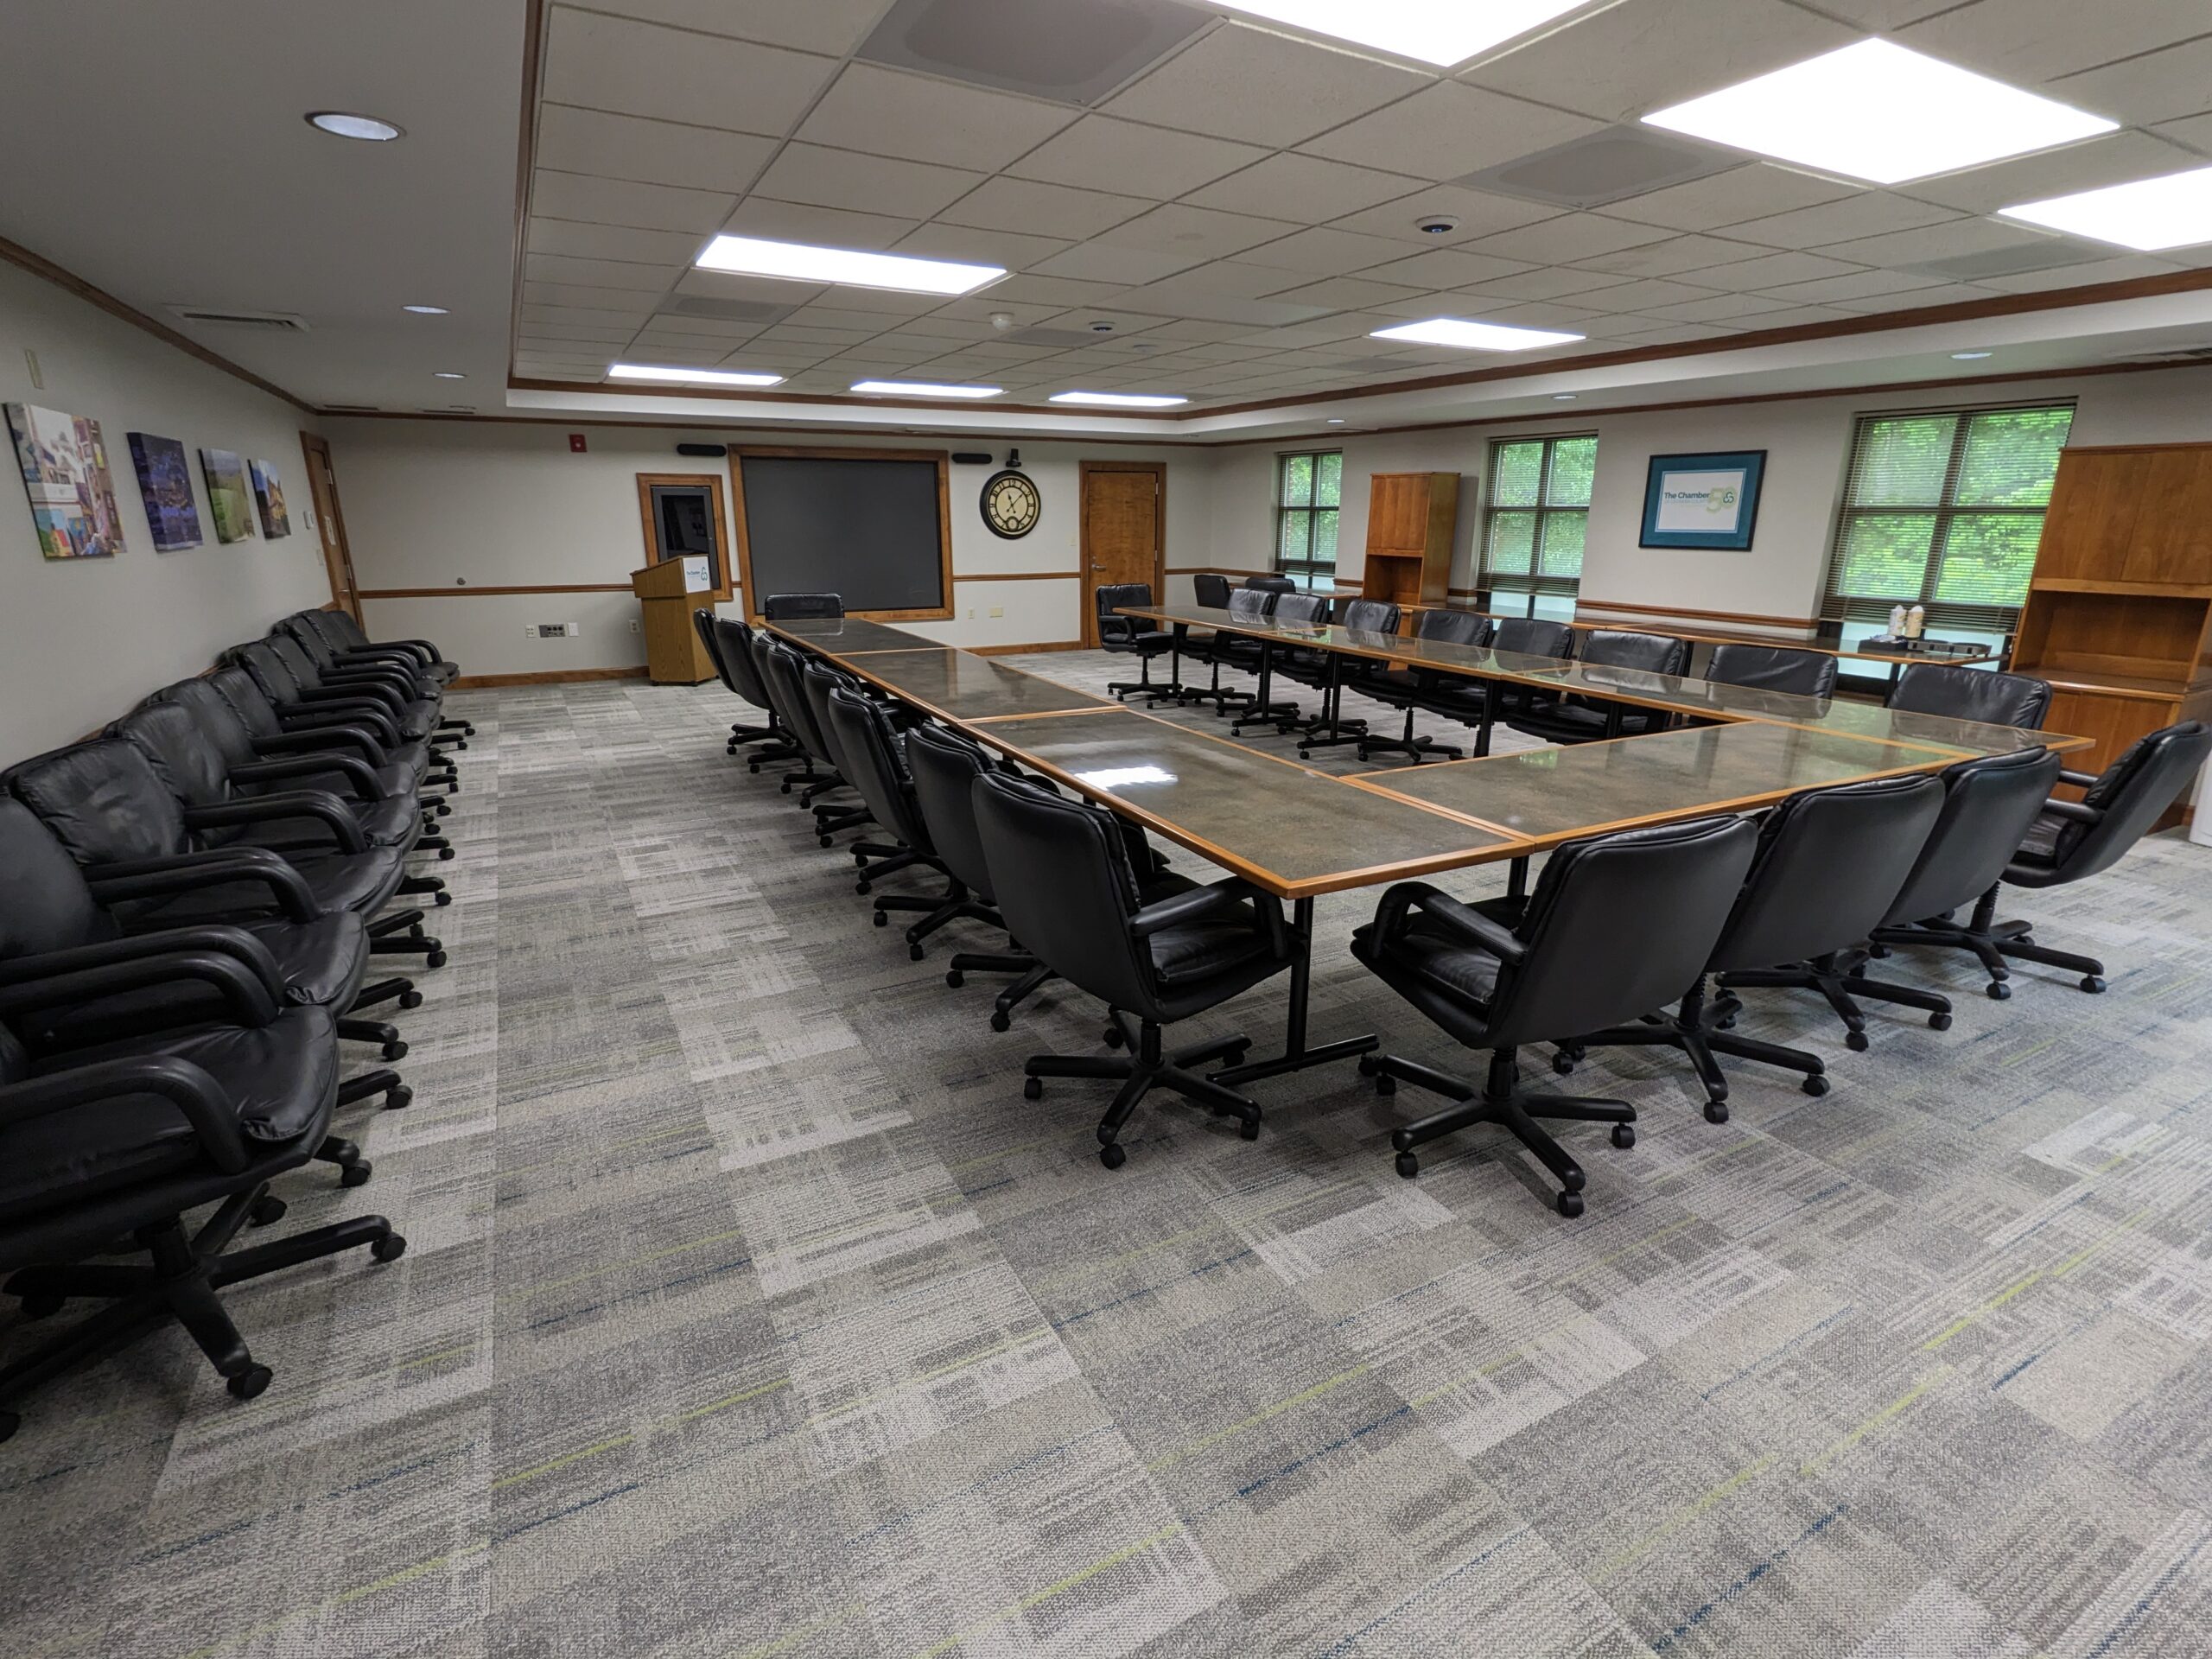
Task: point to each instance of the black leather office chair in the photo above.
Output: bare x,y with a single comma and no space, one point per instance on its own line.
318,730
2066,842
1405,688
1582,719
783,670
1210,589
1294,610
1478,704
1829,863
1981,693
765,648
1987,805
1333,673
124,1139
794,607
402,672
817,678
288,678
732,643
1270,585
1161,950
1774,668
345,635
943,766
1617,924
1241,650
1130,636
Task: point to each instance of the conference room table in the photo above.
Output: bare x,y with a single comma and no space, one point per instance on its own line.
1296,833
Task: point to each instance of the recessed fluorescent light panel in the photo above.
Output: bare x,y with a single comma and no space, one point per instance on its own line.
797,262
1441,32
2173,212
1878,111
1473,336
692,377
924,389
1118,399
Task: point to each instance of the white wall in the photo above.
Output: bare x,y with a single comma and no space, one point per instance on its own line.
438,503
82,639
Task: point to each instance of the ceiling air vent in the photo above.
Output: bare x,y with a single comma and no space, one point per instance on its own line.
1600,167
281,323
1087,49
2040,255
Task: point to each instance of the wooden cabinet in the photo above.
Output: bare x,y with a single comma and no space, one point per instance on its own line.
1411,517
2119,614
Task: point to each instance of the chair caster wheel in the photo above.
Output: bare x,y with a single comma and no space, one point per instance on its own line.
1570,1204
442,899
266,1209
1939,1022
1111,1037
435,959
1726,1022
1816,1085
827,841
1368,1066
394,1050
399,1097
915,953
2000,991
1248,1129
955,978
1385,1083
1032,1089
882,919
1304,754
1561,1065
9,1424
1409,1165
1113,1156
355,1174
1234,1057
249,1383
444,853
863,887
410,999
2093,984
1716,1111
1878,951
1855,1041
1001,1020
390,1248
1623,1135
787,789
41,1307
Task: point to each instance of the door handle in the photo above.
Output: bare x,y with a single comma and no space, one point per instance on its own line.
1098,566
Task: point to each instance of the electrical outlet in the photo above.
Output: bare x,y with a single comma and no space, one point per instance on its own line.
552,630
971,612
633,625
530,630
998,610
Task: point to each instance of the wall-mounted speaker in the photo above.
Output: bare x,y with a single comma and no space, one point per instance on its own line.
703,449
972,457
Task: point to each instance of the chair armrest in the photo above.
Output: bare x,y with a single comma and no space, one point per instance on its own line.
184,1085
397,656
376,716
354,694
1116,628
355,771
2073,811
1470,925
1189,906
317,803
214,939
391,675
2079,779
248,1001
323,738
150,878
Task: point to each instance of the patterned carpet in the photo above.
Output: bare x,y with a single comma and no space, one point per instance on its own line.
751,1311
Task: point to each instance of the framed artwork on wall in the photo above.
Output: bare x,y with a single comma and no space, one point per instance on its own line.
227,494
269,496
1703,500
165,483
65,471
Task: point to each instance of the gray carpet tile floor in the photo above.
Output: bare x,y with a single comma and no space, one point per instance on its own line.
751,1311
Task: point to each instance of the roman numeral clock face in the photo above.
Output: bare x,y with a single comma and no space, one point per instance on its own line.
1011,505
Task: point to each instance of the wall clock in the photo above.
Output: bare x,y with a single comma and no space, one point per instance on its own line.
1011,505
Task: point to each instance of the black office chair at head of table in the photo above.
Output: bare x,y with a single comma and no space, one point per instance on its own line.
1773,668
1617,926
1988,804
1293,610
1161,950
1585,717
1210,589
2064,842
1404,687
1479,704
1130,636
1828,862
802,607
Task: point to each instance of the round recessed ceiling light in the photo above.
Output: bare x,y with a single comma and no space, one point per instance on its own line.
427,310
447,374
1102,328
340,125
1969,357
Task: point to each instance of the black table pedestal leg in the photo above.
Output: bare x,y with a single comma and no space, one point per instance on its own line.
1296,1056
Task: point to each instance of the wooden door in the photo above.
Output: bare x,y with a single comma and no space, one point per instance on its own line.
330,525
1124,525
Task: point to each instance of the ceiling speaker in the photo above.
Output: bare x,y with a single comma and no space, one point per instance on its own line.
1602,167
972,457
703,449
1087,49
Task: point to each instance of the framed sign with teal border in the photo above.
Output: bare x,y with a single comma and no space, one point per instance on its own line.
1703,500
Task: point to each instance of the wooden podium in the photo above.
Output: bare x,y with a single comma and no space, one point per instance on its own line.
668,593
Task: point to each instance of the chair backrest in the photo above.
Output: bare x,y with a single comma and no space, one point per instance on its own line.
103,801
1531,636
1653,653
1271,584
340,629
187,764
733,640
45,904
1374,615
269,671
1619,925
1450,627
817,680
1988,804
219,725
1250,602
1108,597
702,620
786,608
304,668
943,766
1211,589
786,671
2133,793
868,756
1301,610
1061,875
764,645
1829,863
1774,668
244,697
1980,694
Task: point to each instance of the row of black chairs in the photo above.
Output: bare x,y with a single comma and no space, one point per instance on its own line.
1639,938
193,904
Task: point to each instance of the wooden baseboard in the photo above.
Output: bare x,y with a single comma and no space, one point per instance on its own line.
545,676
1017,651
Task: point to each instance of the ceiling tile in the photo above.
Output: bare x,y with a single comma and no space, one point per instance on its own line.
1883,14
1857,285
1728,199
1100,153
620,201
1768,270
1239,82
1868,213
624,301
893,305
2026,41
1348,292
2157,86
1948,241
1447,130
1202,232
656,152
2194,130
836,227
938,240
1675,254
2114,159
1641,55
2123,268
561,236
1641,295
1325,251
1057,292
832,26
612,63
1302,187
1475,213
1447,268
1917,299
1568,238
819,177
1720,308
722,328
1233,278
1548,282
747,290
1095,262
1033,209
601,273
1796,316
890,112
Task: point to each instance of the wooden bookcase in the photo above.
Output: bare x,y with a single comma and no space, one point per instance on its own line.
1410,520
2119,614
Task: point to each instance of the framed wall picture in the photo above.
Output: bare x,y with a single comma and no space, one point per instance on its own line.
165,481
228,499
64,470
1703,500
269,496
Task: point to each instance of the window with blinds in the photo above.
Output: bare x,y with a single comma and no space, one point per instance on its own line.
1308,491
1944,509
1535,516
